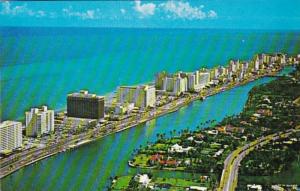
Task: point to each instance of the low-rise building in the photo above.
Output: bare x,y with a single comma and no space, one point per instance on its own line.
121,109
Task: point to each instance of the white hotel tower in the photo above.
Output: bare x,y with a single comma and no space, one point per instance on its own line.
39,121
10,135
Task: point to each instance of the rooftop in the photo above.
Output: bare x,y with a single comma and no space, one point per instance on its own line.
5,123
137,86
38,110
84,94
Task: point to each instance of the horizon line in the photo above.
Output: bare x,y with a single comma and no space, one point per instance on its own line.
141,27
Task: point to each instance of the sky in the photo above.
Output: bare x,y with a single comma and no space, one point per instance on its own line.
233,14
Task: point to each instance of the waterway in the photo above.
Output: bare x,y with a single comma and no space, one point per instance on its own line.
91,166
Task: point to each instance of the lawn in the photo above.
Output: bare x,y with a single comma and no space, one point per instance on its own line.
159,147
121,183
175,140
141,159
176,182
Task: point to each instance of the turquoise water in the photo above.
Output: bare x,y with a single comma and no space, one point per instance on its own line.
41,65
90,167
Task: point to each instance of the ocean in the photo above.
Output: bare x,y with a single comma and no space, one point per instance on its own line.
42,65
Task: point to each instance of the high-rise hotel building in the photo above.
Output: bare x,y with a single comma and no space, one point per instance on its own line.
204,79
85,105
175,84
10,135
141,96
39,121
159,80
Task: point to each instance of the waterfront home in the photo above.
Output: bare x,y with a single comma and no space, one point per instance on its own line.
232,129
199,136
170,162
155,158
212,132
221,129
143,179
179,149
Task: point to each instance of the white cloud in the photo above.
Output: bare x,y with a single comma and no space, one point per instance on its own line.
145,9
123,11
183,10
7,9
88,14
212,14
170,9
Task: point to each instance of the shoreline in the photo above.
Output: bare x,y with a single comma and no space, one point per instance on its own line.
186,101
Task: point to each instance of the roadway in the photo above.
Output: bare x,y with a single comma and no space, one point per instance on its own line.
229,177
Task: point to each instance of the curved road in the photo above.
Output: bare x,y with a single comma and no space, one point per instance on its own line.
229,176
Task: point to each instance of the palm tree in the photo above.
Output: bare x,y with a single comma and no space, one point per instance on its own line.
157,135
174,131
